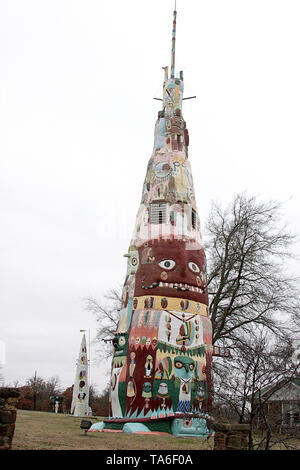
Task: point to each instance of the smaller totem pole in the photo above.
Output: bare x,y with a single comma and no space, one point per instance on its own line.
80,400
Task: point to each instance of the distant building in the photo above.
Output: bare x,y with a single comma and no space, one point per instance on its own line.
283,406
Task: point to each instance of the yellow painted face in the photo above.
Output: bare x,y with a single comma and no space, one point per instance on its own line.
178,164
179,173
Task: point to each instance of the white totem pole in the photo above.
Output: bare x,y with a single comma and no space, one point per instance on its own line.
80,400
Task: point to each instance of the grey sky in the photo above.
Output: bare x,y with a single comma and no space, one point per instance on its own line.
77,115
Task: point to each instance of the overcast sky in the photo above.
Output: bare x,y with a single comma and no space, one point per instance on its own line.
77,115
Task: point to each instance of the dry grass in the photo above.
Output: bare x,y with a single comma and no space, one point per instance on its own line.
36,430
278,441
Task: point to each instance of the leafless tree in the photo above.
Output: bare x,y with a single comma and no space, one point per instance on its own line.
42,388
107,316
248,248
53,386
260,367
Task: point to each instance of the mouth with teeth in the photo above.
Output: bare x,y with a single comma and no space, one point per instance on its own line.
175,285
171,268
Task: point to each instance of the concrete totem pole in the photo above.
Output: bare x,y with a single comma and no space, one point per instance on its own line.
161,368
80,399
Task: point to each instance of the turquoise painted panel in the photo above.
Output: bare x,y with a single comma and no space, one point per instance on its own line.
190,427
132,428
97,426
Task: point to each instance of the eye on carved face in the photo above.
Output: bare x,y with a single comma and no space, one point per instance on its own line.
167,264
178,365
175,270
194,267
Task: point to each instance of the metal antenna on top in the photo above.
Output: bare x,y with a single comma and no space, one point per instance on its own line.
173,43
172,65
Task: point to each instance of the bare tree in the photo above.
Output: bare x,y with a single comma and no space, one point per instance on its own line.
247,249
53,386
260,368
107,316
42,389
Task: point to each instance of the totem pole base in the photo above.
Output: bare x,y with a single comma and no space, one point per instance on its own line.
179,425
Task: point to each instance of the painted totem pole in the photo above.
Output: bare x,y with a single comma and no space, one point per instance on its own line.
161,368
80,399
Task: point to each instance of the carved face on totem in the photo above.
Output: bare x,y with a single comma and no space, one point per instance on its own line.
133,260
184,367
168,268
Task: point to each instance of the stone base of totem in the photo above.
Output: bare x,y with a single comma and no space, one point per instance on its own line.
178,425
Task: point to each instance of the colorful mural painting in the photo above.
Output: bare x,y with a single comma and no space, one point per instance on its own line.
161,368
80,399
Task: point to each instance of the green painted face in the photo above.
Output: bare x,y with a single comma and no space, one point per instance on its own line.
120,344
184,367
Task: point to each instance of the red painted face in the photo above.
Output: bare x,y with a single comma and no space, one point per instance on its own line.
168,268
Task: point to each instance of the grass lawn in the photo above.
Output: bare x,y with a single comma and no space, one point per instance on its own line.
36,430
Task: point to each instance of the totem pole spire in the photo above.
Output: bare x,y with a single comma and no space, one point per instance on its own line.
173,43
161,367
80,399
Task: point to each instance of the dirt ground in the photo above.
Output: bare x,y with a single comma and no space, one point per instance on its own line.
36,430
